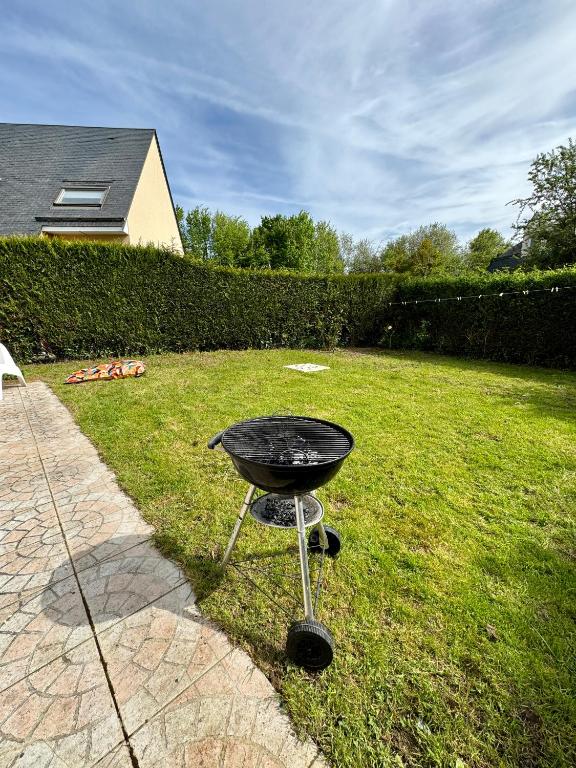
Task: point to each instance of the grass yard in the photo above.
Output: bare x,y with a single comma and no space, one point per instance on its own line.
454,598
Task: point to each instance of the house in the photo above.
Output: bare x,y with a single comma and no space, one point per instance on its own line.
105,184
510,260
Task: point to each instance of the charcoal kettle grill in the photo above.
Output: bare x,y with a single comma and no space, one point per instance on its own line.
289,458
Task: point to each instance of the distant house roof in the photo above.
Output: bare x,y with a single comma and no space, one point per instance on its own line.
510,259
38,161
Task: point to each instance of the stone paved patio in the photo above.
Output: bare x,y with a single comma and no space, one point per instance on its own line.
104,658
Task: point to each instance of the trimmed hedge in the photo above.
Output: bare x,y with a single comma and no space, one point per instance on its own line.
535,328
89,300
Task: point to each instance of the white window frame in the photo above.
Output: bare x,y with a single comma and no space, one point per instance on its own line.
64,190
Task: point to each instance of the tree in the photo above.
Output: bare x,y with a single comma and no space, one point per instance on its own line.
327,259
487,244
346,246
285,242
547,217
230,240
364,257
427,257
432,249
196,230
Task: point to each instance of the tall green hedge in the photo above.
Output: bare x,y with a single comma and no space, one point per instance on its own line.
538,327
93,300
82,299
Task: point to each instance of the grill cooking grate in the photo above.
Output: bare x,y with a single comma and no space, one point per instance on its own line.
287,441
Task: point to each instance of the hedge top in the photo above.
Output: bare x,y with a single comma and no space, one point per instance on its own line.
88,300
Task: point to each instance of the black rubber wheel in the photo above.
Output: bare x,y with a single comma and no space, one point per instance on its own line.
334,542
310,645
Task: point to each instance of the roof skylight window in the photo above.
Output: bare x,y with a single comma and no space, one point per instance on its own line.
89,196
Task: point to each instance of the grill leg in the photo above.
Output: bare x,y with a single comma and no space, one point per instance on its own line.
303,550
322,536
321,532
238,525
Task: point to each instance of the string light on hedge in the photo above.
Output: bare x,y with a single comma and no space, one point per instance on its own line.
524,292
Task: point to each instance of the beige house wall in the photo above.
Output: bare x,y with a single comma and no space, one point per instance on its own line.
151,218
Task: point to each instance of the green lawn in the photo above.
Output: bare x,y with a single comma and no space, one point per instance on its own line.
454,598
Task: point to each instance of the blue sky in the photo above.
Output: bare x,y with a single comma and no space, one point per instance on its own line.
378,116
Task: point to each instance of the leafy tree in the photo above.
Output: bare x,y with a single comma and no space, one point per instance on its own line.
364,257
230,240
285,242
196,229
397,255
427,256
327,259
432,249
279,242
547,217
346,246
487,244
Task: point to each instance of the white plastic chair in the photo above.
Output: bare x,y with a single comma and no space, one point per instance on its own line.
8,366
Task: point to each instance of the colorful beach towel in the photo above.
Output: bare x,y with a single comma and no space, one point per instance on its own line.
118,369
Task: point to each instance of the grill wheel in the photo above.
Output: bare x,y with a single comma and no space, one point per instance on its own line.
310,645
334,541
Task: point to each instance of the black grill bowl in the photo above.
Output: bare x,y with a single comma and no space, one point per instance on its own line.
287,454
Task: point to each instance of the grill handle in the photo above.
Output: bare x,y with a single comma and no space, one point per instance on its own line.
216,440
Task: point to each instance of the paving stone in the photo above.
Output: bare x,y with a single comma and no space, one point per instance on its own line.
28,581
186,696
36,755
31,547
216,719
38,627
74,471
123,584
23,482
266,761
297,754
247,678
98,526
16,433
240,754
195,735
35,709
16,451
242,717
118,758
159,652
35,527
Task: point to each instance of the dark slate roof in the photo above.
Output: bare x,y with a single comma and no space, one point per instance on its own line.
36,161
510,259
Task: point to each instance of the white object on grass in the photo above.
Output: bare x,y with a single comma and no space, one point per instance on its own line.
308,367
8,366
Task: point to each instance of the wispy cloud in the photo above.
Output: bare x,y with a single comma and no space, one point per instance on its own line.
379,115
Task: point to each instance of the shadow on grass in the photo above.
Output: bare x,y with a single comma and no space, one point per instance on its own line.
548,390
458,363
206,574
250,576
271,575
